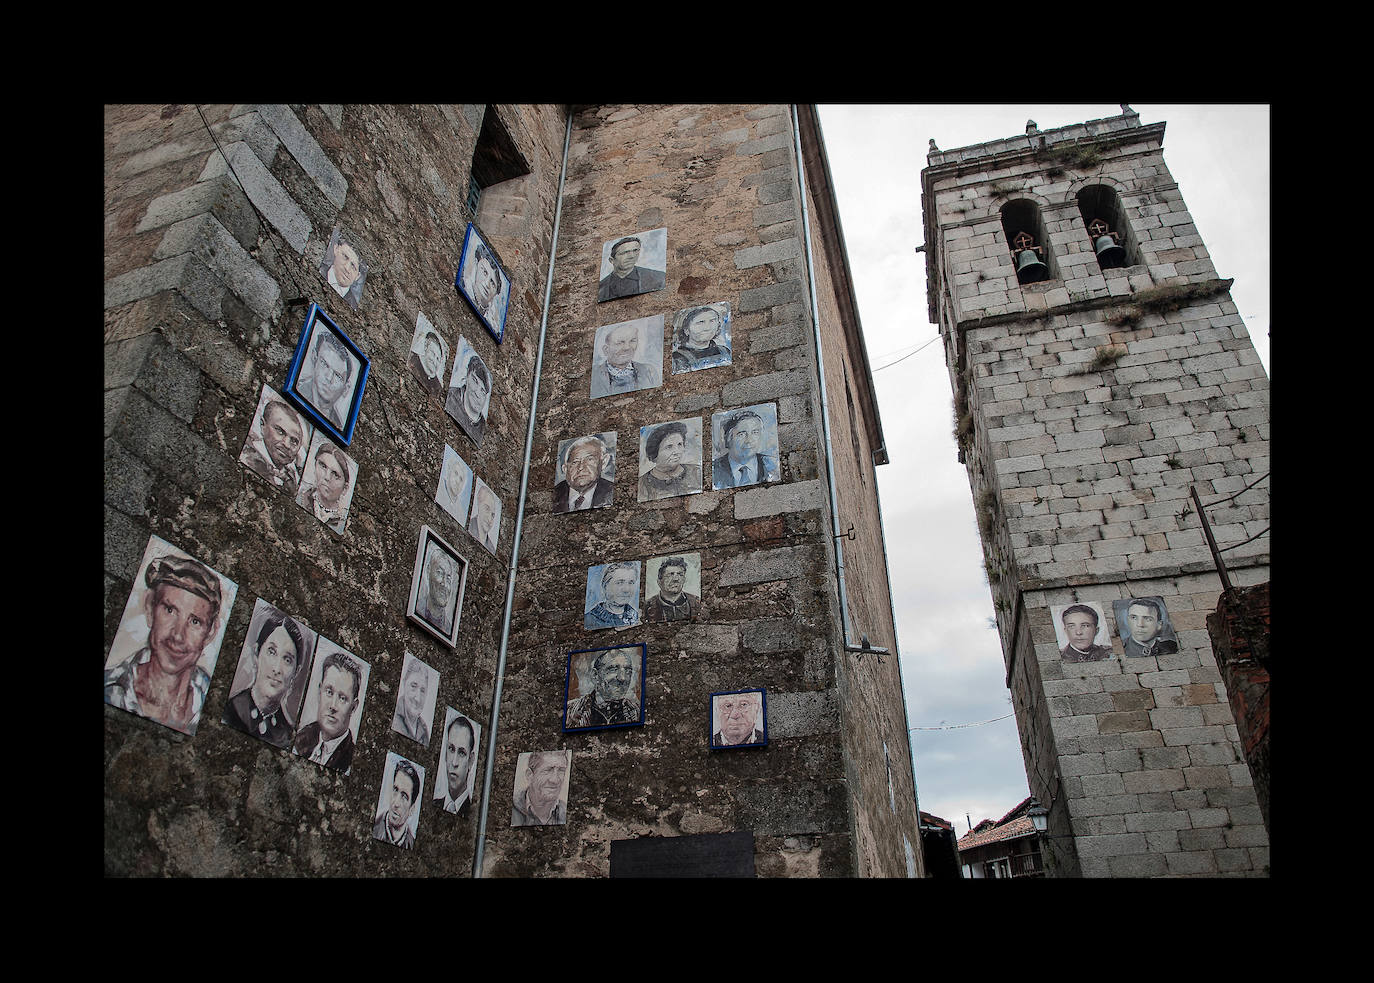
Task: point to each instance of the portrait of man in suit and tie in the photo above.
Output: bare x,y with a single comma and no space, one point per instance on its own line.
584,474
744,445
333,707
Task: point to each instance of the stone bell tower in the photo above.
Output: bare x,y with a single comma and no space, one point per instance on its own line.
1101,373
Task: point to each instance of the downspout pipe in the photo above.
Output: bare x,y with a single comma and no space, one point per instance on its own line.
519,519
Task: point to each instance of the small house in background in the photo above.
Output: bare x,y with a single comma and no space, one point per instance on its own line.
1009,847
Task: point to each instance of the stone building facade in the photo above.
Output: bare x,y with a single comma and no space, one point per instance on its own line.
1087,403
217,220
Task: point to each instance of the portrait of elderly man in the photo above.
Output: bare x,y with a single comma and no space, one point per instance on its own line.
398,806
626,277
673,602
326,381
414,704
700,338
1081,624
277,438
673,448
428,356
744,434
484,285
615,370
1144,627
738,718
328,491
328,739
455,486
485,525
617,587
343,269
583,485
272,656
469,393
453,785
608,682
436,588
541,779
184,607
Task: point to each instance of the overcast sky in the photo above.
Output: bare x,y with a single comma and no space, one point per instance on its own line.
951,658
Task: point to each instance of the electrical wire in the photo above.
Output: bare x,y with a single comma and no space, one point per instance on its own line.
906,356
978,723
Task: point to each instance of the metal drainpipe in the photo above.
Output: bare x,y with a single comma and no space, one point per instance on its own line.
519,519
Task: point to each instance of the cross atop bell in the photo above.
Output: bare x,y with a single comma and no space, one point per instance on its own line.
1109,254
1029,267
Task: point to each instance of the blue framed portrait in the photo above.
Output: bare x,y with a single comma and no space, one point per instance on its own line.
327,376
738,719
483,283
605,688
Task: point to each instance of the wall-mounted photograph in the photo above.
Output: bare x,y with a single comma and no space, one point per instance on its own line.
455,486
398,802
454,782
343,267
1142,624
701,337
627,357
485,524
584,473
428,355
328,481
415,700
469,392
739,719
672,588
168,641
744,446
633,264
670,456
1081,632
277,441
483,283
605,688
270,680
436,587
327,376
333,710
612,598
541,788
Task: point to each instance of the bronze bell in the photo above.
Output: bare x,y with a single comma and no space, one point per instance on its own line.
1109,254
1029,269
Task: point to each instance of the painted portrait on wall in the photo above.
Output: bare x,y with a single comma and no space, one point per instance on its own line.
744,446
343,267
428,355
1142,624
612,598
584,473
277,441
670,459
327,483
485,524
327,376
739,719
333,710
635,263
483,283
672,588
541,788
455,780
605,688
455,486
168,641
627,357
415,700
469,392
1081,632
270,680
701,337
436,587
398,802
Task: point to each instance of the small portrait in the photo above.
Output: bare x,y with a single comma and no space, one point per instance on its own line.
672,588
165,649
1143,626
744,446
485,524
343,267
428,356
584,474
483,283
436,587
541,788
627,357
271,676
398,804
327,376
739,719
457,762
333,709
612,595
327,489
455,486
469,392
605,688
701,337
1081,631
670,459
633,264
277,442
415,700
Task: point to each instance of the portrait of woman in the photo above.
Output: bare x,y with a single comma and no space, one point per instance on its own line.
701,337
612,599
674,448
276,648
327,491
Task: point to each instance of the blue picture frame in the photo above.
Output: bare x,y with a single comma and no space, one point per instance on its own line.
719,741
299,387
581,712
490,311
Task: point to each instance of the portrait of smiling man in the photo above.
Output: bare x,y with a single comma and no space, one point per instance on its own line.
453,784
436,587
627,357
634,264
269,672
604,686
541,789
331,716
276,442
415,700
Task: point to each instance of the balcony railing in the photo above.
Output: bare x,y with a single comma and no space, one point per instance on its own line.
1027,865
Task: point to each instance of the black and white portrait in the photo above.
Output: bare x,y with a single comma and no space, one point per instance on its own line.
672,588
398,802
1143,625
453,784
627,357
436,587
1081,631
631,264
670,459
343,267
739,719
333,710
455,486
415,700
469,392
744,446
485,523
541,788
327,375
270,680
701,337
277,441
584,474
612,598
483,282
327,483
605,688
428,356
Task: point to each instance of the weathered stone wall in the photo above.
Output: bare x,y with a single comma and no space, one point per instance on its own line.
1239,628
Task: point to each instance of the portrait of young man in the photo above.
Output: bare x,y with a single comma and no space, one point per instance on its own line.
428,356
168,641
627,357
485,524
398,803
584,474
483,282
453,785
455,486
670,459
436,587
415,700
278,437
633,264
541,788
469,392
738,719
676,585
333,707
744,445
1081,631
343,267
612,599
605,688
327,487
328,376
270,679
1143,625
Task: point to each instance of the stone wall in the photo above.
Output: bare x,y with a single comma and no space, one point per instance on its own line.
1239,628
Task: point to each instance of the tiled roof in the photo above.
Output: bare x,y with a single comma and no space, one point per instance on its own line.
1013,830
929,820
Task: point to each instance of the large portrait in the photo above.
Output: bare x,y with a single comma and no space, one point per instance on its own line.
1081,632
485,524
327,377
453,785
1143,625
343,267
436,587
670,456
584,473
428,356
415,700
168,641
627,357
327,483
739,719
701,337
633,264
605,688
270,680
541,788
398,802
455,486
612,598
277,441
744,446
672,588
483,283
333,710
469,392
